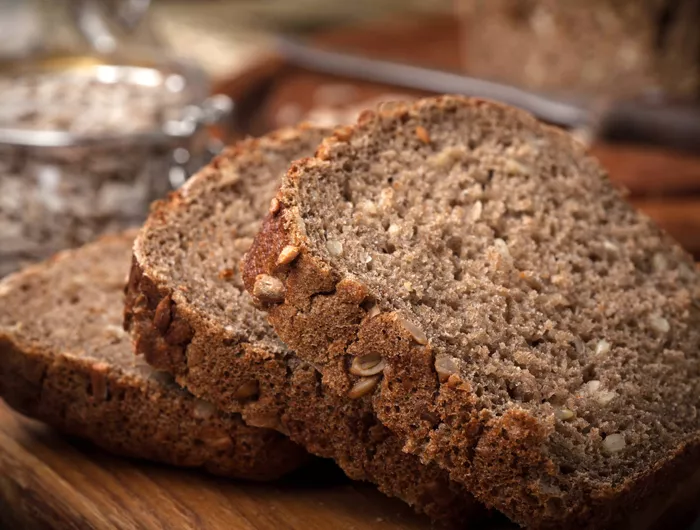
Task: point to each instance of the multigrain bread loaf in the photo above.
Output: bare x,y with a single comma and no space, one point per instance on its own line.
611,47
65,360
190,315
474,276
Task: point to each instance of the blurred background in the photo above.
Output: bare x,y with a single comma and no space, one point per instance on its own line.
108,104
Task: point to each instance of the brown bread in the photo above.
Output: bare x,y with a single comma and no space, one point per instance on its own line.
539,338
65,360
620,48
189,314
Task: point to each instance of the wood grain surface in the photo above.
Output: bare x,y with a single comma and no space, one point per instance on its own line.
48,481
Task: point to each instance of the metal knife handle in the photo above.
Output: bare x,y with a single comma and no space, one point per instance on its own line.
673,126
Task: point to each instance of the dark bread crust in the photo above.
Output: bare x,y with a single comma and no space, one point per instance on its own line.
324,316
288,394
127,412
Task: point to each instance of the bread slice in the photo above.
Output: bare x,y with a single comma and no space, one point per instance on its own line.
538,338
65,360
190,315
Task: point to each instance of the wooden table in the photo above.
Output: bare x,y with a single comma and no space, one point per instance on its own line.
49,481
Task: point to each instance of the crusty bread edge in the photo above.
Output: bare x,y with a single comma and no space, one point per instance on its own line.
163,324
95,400
316,297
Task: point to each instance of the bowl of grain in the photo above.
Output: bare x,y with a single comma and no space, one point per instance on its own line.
87,144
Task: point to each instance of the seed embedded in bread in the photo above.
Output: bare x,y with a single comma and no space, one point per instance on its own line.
604,397
603,347
422,134
446,158
203,410
363,387
99,384
659,323
610,246
161,319
373,311
476,211
288,254
601,395
223,443
445,366
593,386
516,167
274,206
247,390
268,289
367,208
564,414
659,262
417,334
335,248
393,230
614,443
366,365
263,421
502,249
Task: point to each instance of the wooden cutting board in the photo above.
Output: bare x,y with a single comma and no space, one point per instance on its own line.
48,481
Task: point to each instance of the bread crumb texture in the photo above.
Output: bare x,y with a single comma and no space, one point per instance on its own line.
66,360
221,347
539,338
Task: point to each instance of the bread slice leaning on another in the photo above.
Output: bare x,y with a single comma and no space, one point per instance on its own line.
189,314
515,321
65,360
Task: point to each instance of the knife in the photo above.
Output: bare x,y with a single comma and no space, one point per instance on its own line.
673,125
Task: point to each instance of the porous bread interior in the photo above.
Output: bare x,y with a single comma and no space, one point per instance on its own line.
65,360
200,247
41,304
511,250
190,248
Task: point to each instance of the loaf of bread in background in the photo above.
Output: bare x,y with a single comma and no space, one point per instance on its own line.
596,47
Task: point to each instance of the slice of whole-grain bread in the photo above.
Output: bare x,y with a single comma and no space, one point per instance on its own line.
527,329
189,314
65,360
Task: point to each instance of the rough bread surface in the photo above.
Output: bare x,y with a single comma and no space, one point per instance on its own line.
617,48
188,312
538,338
65,360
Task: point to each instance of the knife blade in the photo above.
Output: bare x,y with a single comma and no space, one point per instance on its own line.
675,126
